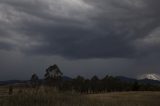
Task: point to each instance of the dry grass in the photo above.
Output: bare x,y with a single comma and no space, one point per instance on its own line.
129,98
51,97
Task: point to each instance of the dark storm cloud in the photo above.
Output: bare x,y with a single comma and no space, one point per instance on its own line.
81,28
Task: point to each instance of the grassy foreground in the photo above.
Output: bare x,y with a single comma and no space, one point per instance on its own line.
50,97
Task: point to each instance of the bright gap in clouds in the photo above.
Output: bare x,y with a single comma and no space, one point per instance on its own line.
67,6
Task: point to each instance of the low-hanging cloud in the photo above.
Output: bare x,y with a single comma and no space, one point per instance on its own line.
80,28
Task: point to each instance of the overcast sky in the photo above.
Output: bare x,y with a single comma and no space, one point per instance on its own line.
84,37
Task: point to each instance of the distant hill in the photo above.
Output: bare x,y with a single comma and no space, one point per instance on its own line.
126,79
10,82
142,81
65,78
149,81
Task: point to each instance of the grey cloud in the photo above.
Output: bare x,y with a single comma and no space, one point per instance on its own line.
83,28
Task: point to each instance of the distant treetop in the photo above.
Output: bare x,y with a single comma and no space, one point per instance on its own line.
53,72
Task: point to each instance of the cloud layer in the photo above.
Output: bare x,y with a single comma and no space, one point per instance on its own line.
80,28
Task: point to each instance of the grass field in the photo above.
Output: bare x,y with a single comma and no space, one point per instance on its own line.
51,97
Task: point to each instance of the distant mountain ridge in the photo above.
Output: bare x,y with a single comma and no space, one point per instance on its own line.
141,81
121,78
9,82
126,79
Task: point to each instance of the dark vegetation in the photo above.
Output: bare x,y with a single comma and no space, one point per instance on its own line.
54,78
57,90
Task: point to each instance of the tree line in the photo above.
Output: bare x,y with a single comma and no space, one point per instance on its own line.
54,78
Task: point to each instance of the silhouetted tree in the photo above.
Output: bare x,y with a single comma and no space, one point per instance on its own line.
87,86
95,84
34,80
78,83
135,86
53,75
10,92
